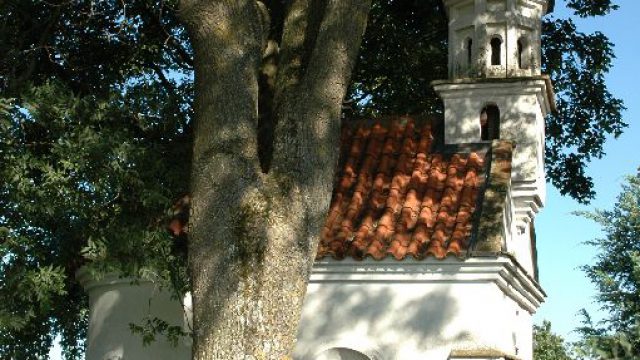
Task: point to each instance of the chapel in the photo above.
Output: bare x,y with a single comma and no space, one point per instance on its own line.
428,250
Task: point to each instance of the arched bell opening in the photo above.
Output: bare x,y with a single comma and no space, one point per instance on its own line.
469,50
342,353
496,51
490,123
523,53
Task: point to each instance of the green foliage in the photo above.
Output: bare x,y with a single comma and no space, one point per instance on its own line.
598,343
82,179
616,274
403,50
153,326
587,111
94,148
89,46
547,345
584,8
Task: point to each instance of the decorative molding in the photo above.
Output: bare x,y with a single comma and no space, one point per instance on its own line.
540,85
89,281
363,346
547,5
475,354
500,269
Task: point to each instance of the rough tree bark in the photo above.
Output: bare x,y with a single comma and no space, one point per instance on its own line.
255,224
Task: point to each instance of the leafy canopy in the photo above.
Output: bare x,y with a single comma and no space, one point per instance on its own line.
616,274
548,345
94,145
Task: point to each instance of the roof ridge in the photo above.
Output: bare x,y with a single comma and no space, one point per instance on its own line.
418,119
489,236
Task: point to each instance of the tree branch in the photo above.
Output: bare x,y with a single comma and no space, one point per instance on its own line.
180,52
163,79
321,39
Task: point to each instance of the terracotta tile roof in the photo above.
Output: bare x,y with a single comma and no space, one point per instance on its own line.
179,218
395,196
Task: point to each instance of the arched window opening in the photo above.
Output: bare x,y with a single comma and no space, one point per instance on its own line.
342,354
469,50
490,123
520,51
496,47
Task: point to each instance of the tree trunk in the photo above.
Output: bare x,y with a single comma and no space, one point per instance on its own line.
254,230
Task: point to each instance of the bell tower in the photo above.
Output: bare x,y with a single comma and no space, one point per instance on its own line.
496,90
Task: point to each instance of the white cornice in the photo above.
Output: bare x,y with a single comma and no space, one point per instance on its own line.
90,281
448,4
459,89
465,88
501,270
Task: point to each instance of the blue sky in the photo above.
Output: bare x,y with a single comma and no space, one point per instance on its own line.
561,235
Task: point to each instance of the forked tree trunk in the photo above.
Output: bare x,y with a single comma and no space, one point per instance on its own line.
254,233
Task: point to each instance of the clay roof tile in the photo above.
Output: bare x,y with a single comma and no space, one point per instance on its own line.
397,197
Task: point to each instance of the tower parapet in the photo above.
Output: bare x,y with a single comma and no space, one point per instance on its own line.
494,38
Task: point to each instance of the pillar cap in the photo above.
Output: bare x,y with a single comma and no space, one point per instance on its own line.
90,280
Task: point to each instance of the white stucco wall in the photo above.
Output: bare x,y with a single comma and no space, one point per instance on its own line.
418,309
515,86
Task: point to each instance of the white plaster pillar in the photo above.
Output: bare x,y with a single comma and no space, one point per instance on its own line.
116,302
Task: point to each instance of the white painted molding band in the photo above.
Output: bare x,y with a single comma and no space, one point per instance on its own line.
468,88
88,282
500,270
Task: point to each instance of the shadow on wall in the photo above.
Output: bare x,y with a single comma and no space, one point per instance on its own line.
103,309
377,320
